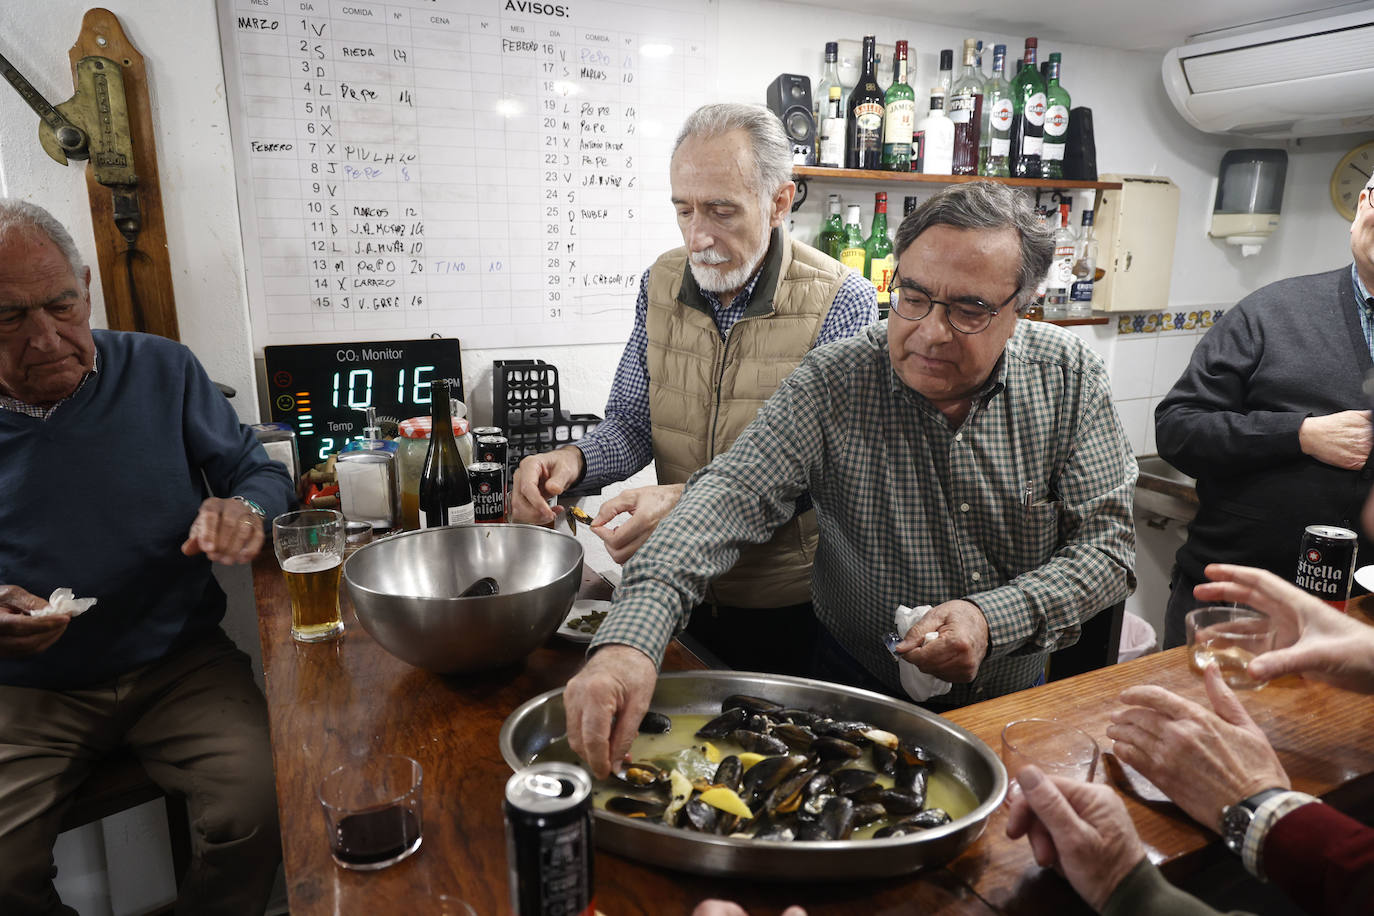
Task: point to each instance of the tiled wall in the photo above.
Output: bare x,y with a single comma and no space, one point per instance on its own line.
1149,353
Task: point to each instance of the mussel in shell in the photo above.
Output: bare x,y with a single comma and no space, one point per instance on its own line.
751,705
723,724
631,806
655,723
729,773
641,775
757,742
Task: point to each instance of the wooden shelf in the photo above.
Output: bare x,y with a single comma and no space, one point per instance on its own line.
1048,184
1070,322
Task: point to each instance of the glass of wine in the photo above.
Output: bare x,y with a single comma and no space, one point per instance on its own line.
372,811
1228,636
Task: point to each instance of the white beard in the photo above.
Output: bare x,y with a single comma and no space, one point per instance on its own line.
715,281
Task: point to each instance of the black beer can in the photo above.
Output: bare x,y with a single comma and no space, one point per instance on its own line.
491,448
488,482
549,840
1326,563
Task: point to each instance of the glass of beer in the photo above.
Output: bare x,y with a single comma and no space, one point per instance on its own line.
310,549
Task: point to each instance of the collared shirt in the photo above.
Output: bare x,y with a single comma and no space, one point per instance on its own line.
42,413
622,443
1364,306
913,512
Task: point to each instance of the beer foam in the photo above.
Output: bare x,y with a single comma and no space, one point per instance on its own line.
310,562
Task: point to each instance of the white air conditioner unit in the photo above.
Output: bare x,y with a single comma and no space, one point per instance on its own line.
1300,76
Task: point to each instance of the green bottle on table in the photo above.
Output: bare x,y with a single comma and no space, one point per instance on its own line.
832,232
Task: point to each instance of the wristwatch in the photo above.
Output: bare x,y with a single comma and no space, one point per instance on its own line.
252,506
1235,819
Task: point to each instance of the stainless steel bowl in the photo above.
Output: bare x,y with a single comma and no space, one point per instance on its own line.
405,590
536,723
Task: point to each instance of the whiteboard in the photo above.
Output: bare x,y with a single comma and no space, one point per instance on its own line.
493,170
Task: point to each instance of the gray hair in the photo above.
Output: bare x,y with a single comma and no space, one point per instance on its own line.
987,205
19,215
772,152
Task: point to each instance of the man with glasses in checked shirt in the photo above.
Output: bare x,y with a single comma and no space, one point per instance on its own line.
957,457
1271,419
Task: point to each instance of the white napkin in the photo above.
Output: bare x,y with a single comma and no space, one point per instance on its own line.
63,601
918,685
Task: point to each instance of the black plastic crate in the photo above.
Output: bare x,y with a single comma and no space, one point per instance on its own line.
524,395
546,438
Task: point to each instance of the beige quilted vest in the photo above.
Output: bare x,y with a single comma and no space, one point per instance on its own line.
703,391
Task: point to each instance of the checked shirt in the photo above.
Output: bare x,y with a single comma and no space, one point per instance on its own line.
913,512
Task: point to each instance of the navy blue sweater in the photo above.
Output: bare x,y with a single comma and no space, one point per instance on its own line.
100,496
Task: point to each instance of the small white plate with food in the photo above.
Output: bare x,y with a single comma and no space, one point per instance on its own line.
584,618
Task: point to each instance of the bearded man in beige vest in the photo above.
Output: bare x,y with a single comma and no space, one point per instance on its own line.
719,323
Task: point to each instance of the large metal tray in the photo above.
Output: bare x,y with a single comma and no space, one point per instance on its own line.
538,722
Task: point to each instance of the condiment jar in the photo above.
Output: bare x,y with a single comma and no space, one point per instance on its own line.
413,445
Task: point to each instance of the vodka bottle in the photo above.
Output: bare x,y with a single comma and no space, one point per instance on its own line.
936,133
1059,280
1084,270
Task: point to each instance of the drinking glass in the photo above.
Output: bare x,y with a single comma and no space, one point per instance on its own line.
1057,748
372,811
310,549
1228,636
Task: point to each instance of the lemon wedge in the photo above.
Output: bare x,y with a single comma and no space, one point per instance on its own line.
727,801
749,758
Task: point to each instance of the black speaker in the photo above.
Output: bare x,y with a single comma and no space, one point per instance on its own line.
1080,152
789,97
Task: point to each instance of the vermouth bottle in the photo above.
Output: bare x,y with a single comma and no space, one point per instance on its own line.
1057,105
445,496
864,127
966,111
995,142
1028,117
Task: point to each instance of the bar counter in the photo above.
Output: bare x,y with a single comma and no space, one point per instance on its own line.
338,701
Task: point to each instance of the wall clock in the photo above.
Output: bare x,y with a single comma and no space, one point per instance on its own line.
1351,175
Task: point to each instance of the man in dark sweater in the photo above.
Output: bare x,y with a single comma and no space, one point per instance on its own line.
1270,418
109,445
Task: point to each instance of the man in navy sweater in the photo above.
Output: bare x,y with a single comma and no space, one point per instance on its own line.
123,474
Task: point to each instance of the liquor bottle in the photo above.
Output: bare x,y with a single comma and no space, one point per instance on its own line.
832,132
863,145
445,497
899,115
1028,117
852,251
1084,270
1057,106
830,76
946,78
878,260
966,111
908,204
832,233
995,140
936,133
1059,280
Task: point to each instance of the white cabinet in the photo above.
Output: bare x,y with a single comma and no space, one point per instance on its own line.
1136,227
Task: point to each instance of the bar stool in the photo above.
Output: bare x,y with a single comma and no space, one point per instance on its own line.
117,783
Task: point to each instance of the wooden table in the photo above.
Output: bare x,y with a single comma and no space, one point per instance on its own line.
335,702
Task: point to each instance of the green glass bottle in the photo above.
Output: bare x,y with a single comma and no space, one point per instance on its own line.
899,115
1057,105
832,232
995,143
852,251
1028,117
878,260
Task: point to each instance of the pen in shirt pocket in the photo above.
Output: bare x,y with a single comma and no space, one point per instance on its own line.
1028,493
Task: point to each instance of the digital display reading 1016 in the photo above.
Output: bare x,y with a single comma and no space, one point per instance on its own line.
323,390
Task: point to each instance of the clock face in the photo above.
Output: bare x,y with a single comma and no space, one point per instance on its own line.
1350,177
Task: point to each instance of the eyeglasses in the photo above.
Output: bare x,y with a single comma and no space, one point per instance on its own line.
964,317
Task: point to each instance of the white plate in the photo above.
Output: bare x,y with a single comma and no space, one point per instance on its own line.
581,608
1365,577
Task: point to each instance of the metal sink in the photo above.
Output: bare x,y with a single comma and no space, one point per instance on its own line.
1163,492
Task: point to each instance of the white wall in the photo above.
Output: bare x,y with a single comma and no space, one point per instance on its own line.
1137,132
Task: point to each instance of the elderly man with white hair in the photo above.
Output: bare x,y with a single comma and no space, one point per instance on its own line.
719,323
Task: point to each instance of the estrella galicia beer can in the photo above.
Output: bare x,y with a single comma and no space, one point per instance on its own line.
491,448
1326,563
488,482
549,840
